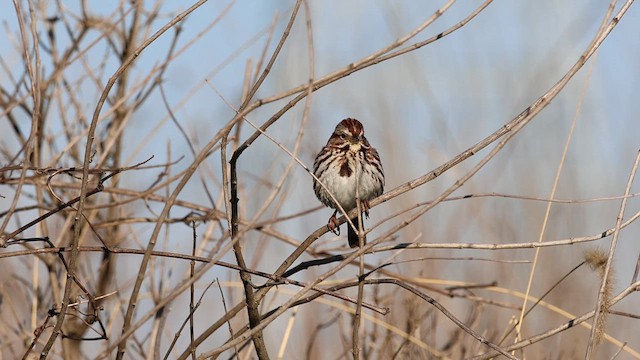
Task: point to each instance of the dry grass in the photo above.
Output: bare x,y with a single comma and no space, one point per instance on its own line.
156,200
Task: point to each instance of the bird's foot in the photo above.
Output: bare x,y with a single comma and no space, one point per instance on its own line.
365,208
333,225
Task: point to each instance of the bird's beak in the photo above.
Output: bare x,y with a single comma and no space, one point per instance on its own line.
355,144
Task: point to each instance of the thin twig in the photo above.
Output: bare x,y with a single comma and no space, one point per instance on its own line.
552,195
192,267
565,326
143,266
602,301
186,321
250,298
446,312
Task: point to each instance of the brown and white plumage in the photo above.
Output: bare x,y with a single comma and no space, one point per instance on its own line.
346,157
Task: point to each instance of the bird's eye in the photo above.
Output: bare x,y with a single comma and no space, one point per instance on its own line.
343,136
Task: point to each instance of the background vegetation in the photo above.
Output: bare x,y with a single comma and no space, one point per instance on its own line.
154,184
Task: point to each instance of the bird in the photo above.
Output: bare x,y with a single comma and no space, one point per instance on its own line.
347,161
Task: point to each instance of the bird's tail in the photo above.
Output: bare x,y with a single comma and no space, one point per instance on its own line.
352,236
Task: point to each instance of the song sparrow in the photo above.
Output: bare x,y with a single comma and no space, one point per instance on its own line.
348,156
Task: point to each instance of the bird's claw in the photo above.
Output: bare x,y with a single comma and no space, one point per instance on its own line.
365,208
332,225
